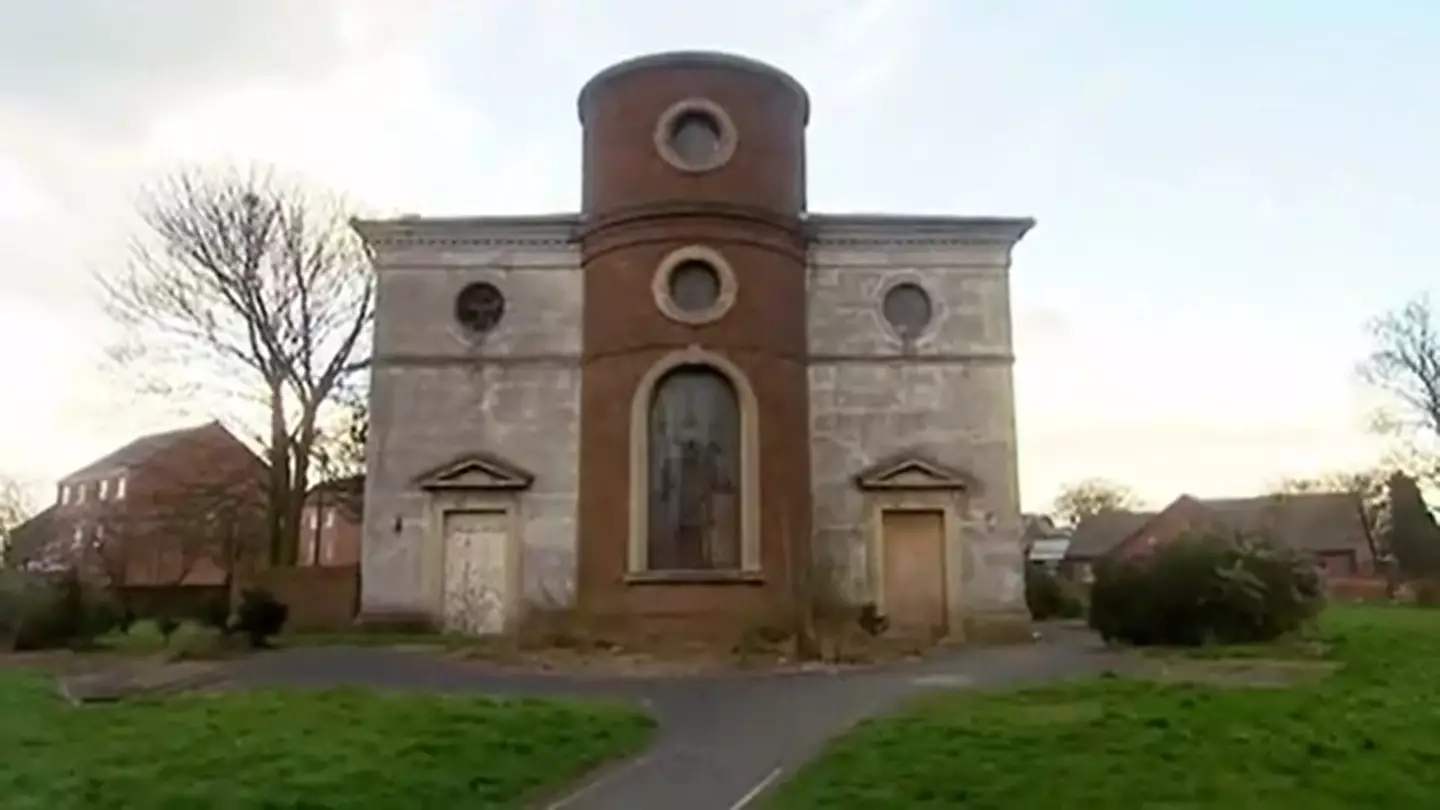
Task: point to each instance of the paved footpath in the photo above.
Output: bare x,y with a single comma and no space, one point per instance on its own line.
723,740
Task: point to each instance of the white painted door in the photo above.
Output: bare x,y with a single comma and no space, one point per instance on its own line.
476,575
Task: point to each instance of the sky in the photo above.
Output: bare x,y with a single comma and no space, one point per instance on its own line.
1226,191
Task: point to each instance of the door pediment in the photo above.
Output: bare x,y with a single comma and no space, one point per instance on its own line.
912,469
476,471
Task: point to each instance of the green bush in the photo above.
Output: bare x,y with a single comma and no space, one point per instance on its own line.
23,596
44,611
260,616
1206,588
215,613
1050,597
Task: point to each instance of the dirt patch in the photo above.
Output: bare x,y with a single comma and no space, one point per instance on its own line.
1245,672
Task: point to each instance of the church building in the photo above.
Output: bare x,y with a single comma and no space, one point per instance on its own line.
693,398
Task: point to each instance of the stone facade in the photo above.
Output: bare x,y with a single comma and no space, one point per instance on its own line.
436,391
948,393
557,390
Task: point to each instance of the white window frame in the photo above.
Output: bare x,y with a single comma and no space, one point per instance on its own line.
330,517
64,494
120,488
104,488
80,493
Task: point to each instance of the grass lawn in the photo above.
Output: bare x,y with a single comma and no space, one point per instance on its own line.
1366,737
338,750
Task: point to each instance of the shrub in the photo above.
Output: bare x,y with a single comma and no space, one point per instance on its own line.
214,613
1426,592
23,596
166,625
47,611
260,616
1050,597
1205,588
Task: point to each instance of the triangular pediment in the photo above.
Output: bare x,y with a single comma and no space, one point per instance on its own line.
476,470
911,469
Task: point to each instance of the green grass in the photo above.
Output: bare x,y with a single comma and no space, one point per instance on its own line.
337,750
1366,737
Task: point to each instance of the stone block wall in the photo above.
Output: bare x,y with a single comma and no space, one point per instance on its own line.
438,392
949,392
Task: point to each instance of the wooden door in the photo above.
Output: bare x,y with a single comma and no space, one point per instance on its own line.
477,574
913,545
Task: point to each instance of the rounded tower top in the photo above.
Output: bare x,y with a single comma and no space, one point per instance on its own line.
692,129
671,61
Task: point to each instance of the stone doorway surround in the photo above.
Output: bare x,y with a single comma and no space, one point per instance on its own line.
473,482
911,481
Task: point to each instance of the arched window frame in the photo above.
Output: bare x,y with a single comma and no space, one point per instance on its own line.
639,540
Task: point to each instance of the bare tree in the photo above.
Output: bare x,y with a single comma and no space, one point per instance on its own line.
1405,366
160,539
1367,490
15,509
1092,496
241,284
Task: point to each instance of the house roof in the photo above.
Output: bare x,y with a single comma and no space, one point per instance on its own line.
1040,527
1313,521
1098,534
347,485
28,541
138,451
348,492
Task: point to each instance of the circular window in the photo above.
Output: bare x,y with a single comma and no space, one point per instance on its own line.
694,285
479,307
907,309
695,135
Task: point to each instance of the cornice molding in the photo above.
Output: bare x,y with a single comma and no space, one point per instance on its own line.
887,230
539,231
821,230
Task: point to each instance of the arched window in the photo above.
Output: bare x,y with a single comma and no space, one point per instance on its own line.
694,472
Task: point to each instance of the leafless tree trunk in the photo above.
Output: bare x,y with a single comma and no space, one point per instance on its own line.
15,508
1367,491
1405,366
244,285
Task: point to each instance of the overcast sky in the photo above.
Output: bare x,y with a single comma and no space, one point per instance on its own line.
1226,190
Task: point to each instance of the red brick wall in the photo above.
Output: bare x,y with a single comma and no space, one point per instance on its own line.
329,534
638,208
160,532
319,598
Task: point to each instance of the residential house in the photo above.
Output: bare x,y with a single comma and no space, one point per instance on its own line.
1045,543
330,522
1095,537
1328,525
166,509
26,546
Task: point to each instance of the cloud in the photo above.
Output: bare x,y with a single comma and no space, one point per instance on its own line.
96,96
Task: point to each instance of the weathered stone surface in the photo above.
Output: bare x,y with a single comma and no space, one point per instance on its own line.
948,393
437,392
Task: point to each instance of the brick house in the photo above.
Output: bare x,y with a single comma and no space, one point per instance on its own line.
1097,536
330,523
1328,525
165,509
26,545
